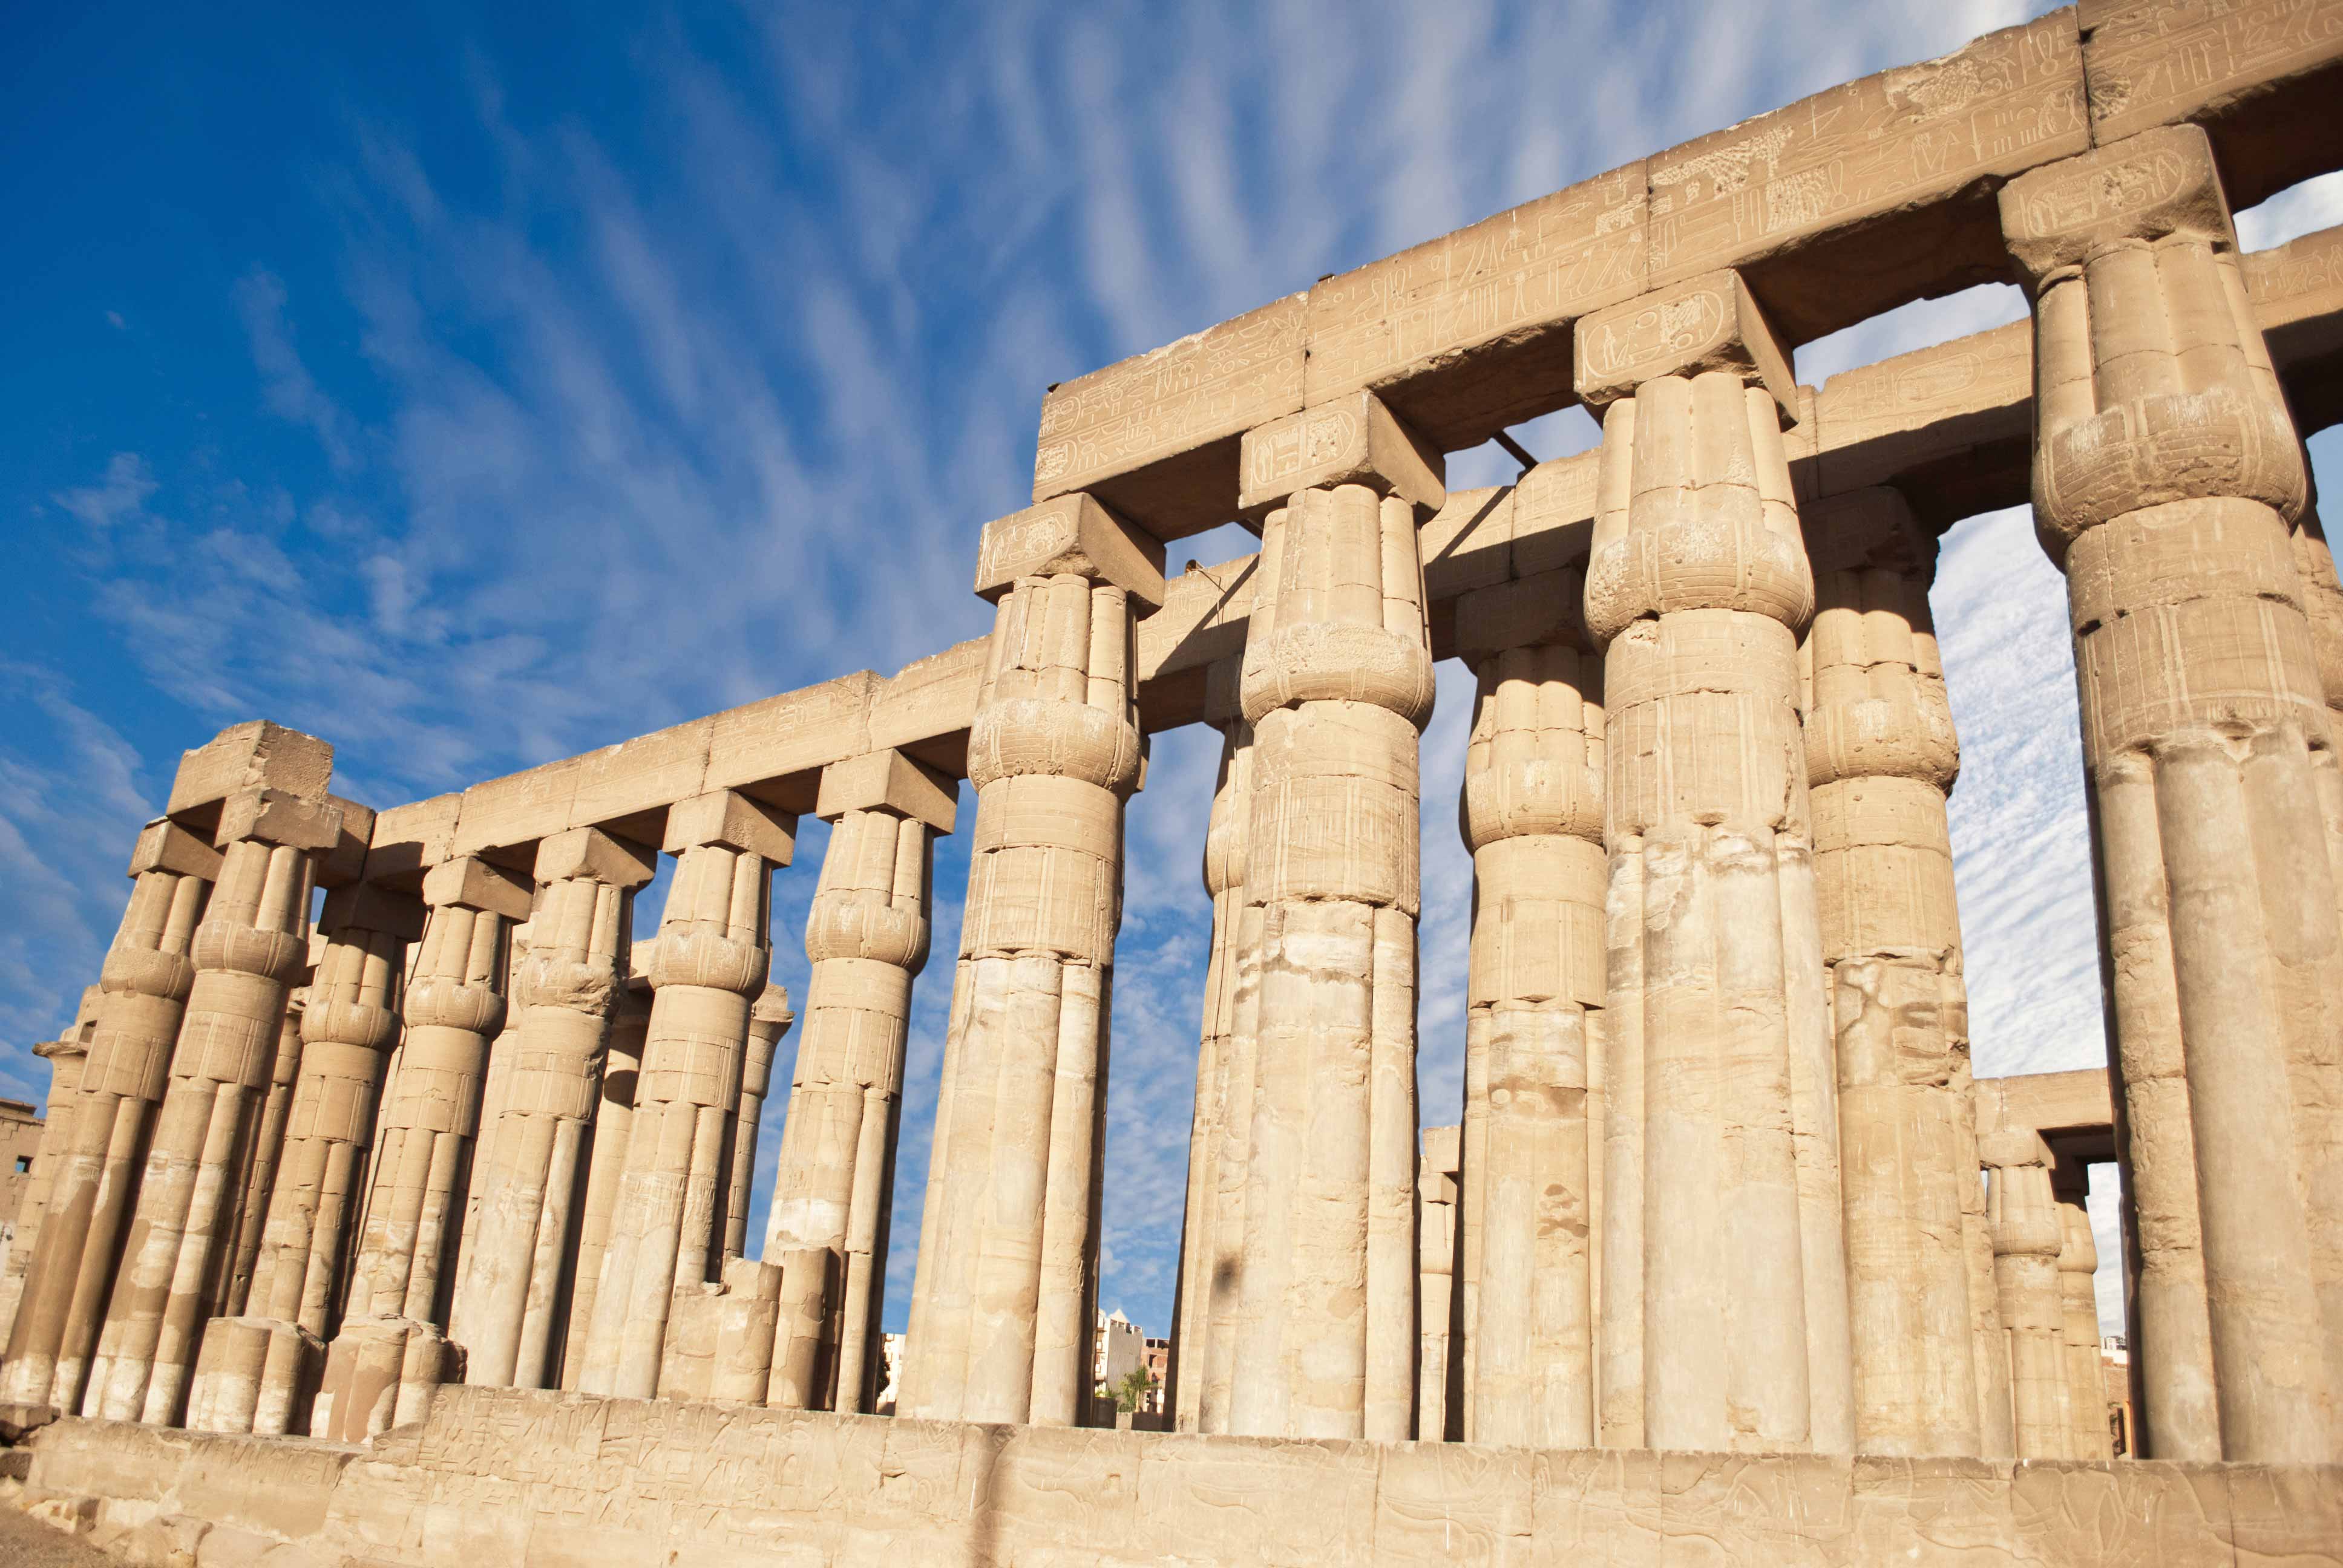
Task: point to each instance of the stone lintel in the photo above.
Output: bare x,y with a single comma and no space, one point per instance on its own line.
1528,612
256,755
2012,1147
1435,1187
728,817
410,839
772,1007
1443,1149
1069,534
1354,439
1706,322
277,817
1862,529
2144,188
362,906
591,852
165,845
475,884
2056,1103
888,781
346,862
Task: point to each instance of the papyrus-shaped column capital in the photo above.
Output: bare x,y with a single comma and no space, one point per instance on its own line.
1872,679
1354,440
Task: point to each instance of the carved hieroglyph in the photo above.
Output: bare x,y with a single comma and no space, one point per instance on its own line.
2166,474
867,939
576,958
1880,756
1337,686
247,952
1533,817
1000,1312
1697,585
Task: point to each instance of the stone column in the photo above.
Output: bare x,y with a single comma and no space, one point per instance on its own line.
1002,1310
1337,686
1988,1345
769,1017
249,952
1880,756
65,1056
2322,1119
2165,472
2026,1240
144,988
606,1161
867,937
259,1180
1697,585
2079,1308
1211,1259
1533,817
1438,1418
576,961
257,1370
714,952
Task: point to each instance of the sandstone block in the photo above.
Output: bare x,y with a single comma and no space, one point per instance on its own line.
888,781
591,852
797,731
1443,1149
366,907
165,845
728,817
2161,182
255,755
1708,322
1353,440
346,862
276,817
1071,534
472,883
410,839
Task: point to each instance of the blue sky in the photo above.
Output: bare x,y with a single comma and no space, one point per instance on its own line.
474,388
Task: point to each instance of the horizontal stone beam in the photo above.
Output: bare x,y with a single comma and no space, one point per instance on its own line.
1835,209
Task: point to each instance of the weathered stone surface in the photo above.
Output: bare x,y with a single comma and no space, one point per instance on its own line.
1072,534
243,756
1352,440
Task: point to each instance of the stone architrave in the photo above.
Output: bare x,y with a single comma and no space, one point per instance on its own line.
2026,1240
576,963
1697,585
250,949
268,1139
2167,473
1002,1304
769,1017
1338,686
65,1057
1438,1183
1212,1237
713,955
267,1367
1532,819
1880,757
605,1163
867,940
2079,1311
143,994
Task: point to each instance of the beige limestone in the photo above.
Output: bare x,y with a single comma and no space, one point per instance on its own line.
1003,1302
147,975
1880,757
867,940
2165,473
1697,585
1532,815
577,957
606,1160
1438,1185
175,1253
769,1017
713,954
2027,1237
1337,685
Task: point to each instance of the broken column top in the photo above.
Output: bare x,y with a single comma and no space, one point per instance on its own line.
771,1012
1071,534
728,817
475,884
590,852
2145,187
1354,439
255,755
1706,322
888,781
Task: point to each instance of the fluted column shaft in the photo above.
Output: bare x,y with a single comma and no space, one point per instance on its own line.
268,1145
494,1085
1338,686
1880,756
1212,1236
1533,817
251,947
867,940
768,1020
522,1259
606,1157
1002,1310
66,1057
1697,585
2026,1240
713,955
2165,472
149,972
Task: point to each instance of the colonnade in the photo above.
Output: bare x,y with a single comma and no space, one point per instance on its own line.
1717,1183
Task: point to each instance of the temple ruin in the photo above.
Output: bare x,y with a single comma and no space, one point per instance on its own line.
393,1202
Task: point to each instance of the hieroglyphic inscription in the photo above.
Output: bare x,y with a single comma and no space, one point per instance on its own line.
1878,422
2296,280
2151,62
2008,101
1211,384
1707,322
1534,268
2164,181
1068,534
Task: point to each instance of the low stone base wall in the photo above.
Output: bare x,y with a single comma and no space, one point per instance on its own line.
494,1477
